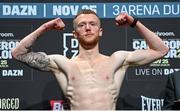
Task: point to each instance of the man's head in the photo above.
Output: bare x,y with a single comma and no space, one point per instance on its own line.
85,11
87,28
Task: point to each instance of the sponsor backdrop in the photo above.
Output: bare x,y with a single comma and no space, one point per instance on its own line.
143,87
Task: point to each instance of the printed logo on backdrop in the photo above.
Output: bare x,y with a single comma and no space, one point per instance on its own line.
104,10
57,105
70,45
151,104
9,103
161,67
10,68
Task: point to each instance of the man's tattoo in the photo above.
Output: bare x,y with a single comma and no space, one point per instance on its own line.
37,60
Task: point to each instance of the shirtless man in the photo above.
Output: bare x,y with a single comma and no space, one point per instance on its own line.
90,80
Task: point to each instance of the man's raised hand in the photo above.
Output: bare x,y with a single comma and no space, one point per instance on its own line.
54,24
124,19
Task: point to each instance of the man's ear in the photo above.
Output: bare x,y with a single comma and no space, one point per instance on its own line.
74,34
100,32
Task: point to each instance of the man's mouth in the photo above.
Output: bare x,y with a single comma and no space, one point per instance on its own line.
88,34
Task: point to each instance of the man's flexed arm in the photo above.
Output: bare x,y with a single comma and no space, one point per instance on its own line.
157,48
38,60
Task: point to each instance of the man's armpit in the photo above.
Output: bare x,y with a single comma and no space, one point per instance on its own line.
37,60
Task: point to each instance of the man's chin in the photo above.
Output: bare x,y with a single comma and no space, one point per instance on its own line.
89,45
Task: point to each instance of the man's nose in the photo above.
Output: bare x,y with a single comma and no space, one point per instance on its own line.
88,27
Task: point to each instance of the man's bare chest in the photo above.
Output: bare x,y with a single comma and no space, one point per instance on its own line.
85,72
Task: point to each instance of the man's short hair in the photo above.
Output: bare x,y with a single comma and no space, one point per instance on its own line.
84,11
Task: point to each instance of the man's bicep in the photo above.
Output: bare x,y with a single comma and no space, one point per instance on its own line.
141,57
38,60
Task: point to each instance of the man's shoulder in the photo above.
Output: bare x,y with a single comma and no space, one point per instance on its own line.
58,57
120,53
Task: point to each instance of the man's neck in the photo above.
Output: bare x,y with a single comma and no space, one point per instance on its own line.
88,54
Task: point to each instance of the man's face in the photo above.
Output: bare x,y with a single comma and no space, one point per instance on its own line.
87,29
